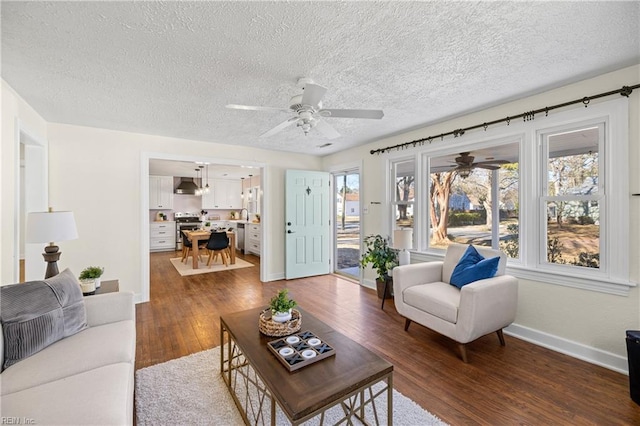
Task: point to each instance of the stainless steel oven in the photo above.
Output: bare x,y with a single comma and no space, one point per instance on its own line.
185,222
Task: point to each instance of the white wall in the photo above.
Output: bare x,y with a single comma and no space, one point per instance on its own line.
587,324
96,173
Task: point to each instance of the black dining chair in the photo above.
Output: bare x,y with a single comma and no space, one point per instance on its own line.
218,244
187,247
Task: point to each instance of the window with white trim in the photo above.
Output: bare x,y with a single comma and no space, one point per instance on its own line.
573,195
403,193
560,185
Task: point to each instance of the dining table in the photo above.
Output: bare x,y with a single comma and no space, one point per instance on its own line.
201,235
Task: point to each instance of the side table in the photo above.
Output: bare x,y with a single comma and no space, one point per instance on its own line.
110,286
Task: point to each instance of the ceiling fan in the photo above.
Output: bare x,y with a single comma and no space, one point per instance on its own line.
465,163
308,111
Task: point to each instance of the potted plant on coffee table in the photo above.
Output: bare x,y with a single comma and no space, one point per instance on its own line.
383,259
281,306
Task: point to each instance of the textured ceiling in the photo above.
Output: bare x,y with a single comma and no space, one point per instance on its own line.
169,68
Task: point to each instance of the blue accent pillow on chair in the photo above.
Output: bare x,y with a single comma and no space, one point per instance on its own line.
472,266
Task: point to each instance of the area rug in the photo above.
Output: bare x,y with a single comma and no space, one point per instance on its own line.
190,390
187,269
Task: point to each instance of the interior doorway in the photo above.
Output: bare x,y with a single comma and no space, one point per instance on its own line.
346,229
31,196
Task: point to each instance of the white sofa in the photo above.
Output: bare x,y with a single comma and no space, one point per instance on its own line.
87,378
423,293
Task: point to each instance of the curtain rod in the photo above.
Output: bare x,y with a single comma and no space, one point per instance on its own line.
526,116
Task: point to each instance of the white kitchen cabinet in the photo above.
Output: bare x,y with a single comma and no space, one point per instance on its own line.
162,236
252,238
224,194
160,192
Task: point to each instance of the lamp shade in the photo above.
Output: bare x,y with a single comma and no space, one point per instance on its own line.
46,227
403,239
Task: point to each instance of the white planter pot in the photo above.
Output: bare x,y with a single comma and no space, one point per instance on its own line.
281,316
97,281
88,286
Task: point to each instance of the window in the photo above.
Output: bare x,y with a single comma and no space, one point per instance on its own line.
474,198
552,194
573,196
403,191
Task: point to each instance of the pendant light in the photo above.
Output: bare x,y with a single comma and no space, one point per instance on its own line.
201,179
198,189
206,187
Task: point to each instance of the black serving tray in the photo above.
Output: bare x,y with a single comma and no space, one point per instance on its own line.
300,349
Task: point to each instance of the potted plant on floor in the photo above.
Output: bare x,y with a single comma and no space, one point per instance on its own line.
383,259
281,306
90,279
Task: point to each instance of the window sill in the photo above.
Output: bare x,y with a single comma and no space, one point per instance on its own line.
602,285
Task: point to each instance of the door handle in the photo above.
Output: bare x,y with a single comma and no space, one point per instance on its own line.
288,223
290,231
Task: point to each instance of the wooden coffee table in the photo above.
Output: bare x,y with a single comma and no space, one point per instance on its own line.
258,381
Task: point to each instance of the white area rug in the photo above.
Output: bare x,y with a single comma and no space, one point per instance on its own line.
190,390
217,266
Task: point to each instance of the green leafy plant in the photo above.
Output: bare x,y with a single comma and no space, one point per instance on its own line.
380,255
91,272
281,302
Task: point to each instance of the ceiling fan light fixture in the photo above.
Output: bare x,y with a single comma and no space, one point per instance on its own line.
464,172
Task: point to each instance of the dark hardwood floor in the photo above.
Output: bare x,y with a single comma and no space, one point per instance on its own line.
518,384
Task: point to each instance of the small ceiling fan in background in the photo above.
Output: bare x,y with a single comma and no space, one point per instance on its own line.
465,163
309,113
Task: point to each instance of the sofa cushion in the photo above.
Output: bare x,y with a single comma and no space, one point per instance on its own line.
472,266
93,348
103,396
38,313
437,298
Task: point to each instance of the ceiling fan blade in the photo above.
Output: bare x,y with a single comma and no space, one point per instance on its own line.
485,166
492,162
279,127
257,108
312,94
352,113
326,129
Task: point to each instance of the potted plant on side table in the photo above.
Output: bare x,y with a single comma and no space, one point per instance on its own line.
90,279
281,306
383,259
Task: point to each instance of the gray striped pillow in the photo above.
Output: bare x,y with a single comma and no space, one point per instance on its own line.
38,313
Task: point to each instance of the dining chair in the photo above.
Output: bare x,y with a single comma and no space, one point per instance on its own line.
187,247
218,243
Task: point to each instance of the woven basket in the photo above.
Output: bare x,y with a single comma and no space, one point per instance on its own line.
278,329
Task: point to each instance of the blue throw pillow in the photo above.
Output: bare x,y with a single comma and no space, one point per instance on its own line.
472,266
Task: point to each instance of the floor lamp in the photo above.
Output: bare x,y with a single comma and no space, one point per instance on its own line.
403,241
47,227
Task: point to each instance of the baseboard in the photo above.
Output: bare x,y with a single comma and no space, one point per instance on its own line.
276,277
574,349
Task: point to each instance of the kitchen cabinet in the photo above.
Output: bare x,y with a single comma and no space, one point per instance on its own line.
162,236
160,192
252,236
224,194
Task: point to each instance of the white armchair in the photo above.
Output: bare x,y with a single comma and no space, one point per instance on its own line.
422,293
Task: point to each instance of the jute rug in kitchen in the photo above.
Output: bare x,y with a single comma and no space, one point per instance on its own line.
187,269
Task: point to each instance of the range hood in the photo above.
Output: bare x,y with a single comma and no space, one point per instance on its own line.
186,186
